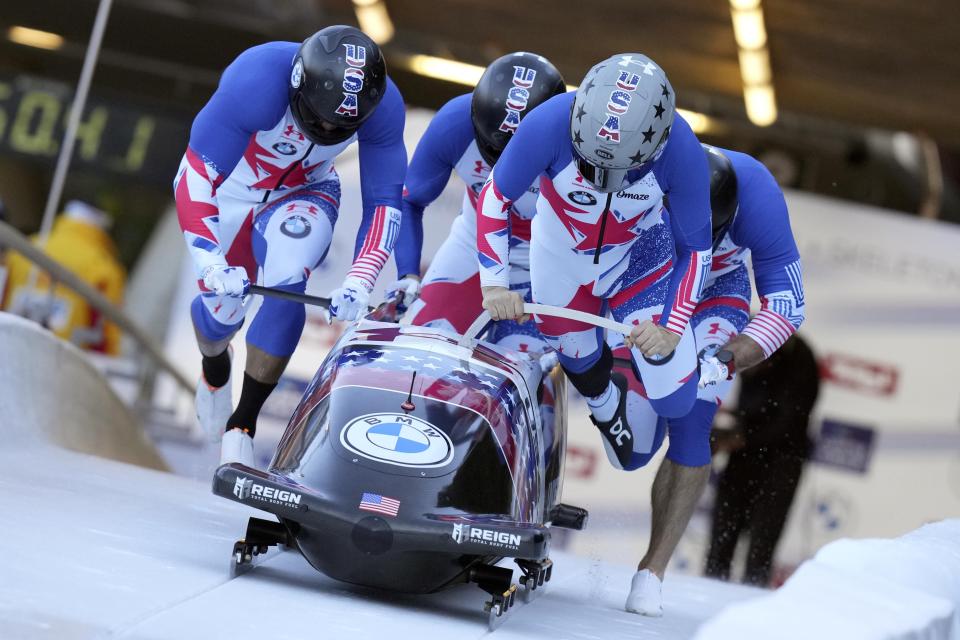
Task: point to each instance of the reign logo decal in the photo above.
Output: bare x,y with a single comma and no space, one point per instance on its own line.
398,439
488,537
241,487
247,489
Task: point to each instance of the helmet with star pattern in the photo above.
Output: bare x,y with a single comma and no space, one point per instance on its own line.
621,119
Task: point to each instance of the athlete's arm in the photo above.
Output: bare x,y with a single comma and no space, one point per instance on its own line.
251,96
383,164
763,226
532,151
443,143
687,177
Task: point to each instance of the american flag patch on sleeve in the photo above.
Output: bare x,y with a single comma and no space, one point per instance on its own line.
379,504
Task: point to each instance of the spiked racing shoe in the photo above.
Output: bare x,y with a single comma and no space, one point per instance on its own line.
237,446
616,432
214,406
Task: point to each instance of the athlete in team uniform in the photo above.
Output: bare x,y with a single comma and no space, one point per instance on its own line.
750,221
602,238
257,190
467,136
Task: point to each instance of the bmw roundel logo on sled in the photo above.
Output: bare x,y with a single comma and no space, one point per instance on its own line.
397,439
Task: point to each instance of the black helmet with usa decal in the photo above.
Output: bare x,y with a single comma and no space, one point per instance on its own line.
511,87
337,80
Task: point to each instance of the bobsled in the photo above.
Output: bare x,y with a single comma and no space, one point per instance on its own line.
417,459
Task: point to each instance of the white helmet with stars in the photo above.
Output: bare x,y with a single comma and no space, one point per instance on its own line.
621,118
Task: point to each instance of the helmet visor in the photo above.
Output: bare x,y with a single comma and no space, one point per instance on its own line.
317,128
603,180
488,152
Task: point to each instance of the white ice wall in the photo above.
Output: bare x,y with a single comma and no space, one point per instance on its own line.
50,393
907,588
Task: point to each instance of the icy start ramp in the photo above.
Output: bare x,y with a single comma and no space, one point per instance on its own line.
98,549
95,548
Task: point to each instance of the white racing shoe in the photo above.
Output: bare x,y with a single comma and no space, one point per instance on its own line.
214,406
645,594
237,446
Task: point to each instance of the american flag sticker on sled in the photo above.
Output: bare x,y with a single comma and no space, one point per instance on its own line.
379,504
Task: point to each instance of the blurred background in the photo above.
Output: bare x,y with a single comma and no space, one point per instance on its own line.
854,106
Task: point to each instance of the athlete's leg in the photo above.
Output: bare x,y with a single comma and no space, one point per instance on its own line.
684,472
291,238
678,487
670,382
216,319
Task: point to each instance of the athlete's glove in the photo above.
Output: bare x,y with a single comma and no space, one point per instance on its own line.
225,280
349,302
409,286
712,371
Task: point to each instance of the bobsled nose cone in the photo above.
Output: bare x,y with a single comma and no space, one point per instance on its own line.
372,535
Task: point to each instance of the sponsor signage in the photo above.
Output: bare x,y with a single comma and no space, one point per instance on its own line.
488,537
245,488
397,439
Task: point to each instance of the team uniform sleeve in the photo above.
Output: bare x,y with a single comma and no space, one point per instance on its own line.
443,143
763,226
383,164
251,97
532,151
687,176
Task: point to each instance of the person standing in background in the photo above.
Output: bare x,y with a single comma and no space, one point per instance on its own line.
769,448
79,241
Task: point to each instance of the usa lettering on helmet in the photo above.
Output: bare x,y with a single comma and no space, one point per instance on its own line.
628,81
349,105
356,57
353,79
610,131
617,105
524,77
619,102
517,97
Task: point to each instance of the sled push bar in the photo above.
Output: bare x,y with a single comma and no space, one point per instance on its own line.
557,312
292,296
478,325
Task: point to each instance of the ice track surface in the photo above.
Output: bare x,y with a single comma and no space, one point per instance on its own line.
95,548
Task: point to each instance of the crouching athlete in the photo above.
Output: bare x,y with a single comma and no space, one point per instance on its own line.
467,136
750,222
605,157
257,193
